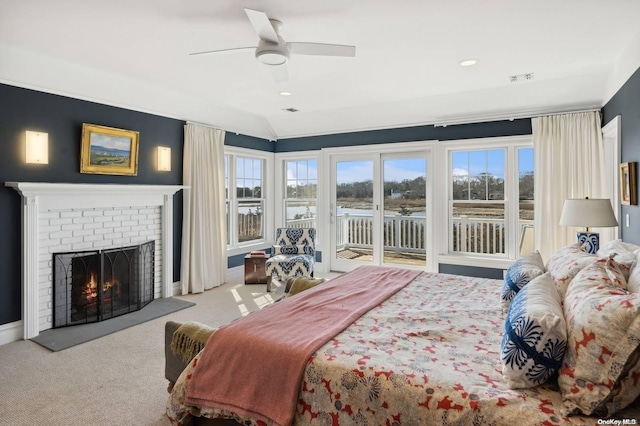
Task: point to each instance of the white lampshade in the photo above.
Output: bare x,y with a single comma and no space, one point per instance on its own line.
164,159
588,212
37,147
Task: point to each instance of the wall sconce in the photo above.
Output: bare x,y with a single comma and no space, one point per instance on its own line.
37,147
164,159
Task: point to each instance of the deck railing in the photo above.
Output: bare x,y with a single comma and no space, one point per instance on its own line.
403,234
406,233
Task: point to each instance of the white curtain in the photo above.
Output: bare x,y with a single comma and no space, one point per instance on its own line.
569,163
204,240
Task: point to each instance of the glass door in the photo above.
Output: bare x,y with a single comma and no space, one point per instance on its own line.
378,210
404,203
352,213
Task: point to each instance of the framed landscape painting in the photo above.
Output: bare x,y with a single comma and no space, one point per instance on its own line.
628,192
108,151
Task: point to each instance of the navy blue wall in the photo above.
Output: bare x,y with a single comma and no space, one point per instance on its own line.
471,271
62,117
626,103
250,142
408,134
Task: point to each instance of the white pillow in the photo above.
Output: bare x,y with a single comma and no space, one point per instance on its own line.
623,253
535,335
616,246
633,282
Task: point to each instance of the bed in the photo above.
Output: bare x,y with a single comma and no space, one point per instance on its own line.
430,353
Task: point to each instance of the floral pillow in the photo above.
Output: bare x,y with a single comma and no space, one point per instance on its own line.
566,263
535,335
600,374
518,275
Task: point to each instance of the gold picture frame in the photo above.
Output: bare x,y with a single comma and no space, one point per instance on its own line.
109,151
628,191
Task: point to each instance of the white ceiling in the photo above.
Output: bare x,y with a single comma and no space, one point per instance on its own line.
135,54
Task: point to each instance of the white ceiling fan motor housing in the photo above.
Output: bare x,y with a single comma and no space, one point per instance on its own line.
271,53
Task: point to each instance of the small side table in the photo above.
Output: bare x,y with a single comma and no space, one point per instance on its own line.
254,270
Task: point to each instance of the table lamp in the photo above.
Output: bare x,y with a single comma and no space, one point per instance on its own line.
590,213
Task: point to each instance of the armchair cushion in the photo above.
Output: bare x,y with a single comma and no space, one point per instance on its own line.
293,253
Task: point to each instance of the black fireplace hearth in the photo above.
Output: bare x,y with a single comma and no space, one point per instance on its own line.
91,286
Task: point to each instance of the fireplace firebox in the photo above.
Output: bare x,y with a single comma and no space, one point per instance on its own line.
91,286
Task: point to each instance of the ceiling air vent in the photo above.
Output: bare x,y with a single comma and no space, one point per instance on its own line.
291,109
521,78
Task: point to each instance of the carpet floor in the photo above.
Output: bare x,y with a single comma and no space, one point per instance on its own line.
117,379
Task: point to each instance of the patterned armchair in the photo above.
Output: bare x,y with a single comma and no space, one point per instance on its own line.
294,253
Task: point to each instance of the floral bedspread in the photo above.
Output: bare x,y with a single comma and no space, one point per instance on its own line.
427,355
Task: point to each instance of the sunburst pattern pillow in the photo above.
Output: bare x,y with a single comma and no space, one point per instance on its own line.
535,335
518,275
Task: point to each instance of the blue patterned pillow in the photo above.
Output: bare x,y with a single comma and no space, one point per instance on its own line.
535,335
518,275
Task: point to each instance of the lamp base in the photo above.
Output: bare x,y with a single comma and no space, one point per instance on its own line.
590,241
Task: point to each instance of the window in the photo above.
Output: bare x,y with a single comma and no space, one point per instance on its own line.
301,193
525,197
491,200
245,198
250,221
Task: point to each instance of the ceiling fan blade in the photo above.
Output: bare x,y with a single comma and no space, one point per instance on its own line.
321,49
279,73
221,50
261,24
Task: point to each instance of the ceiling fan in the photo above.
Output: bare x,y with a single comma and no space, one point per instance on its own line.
273,50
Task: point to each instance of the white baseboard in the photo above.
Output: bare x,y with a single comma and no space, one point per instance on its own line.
177,288
11,332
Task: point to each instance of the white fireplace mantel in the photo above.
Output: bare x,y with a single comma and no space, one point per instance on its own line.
42,197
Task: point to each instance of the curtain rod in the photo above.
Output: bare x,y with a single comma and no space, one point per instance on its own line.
204,125
510,117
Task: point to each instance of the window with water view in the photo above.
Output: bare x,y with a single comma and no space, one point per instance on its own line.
482,197
301,193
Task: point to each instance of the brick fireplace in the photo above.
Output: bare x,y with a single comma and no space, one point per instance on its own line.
59,217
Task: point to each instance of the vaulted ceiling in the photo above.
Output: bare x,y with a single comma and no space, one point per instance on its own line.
566,55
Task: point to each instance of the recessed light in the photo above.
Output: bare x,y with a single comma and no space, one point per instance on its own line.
468,62
285,93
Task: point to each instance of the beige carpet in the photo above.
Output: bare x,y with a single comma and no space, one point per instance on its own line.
115,380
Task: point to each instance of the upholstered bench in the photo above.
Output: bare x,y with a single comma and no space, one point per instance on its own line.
179,352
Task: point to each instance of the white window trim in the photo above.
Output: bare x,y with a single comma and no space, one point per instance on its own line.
268,196
324,189
280,179
280,176
442,192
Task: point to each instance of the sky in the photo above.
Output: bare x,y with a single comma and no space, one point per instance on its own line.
464,162
111,142
489,161
475,162
394,170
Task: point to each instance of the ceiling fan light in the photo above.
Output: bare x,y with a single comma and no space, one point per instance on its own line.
468,62
271,57
272,53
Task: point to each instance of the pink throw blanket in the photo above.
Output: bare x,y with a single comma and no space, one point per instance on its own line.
254,367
